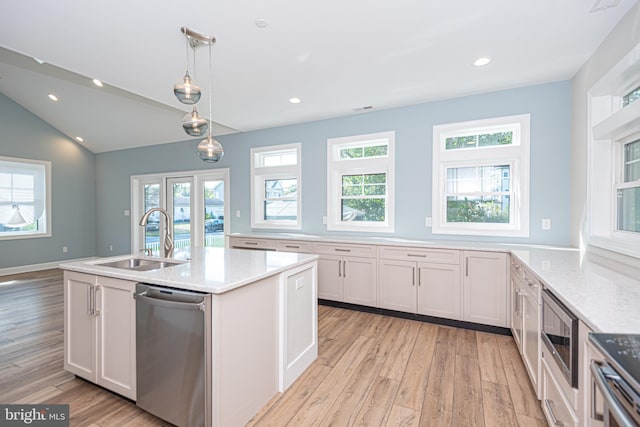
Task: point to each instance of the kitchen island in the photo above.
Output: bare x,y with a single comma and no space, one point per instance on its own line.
261,322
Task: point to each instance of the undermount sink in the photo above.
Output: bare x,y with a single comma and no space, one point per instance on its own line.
139,264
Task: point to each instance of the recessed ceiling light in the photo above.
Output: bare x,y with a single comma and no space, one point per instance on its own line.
295,100
261,23
53,97
79,139
97,82
481,62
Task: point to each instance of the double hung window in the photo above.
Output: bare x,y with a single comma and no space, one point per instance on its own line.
25,198
361,183
276,187
481,177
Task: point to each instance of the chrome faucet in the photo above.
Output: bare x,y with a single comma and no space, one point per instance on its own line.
167,247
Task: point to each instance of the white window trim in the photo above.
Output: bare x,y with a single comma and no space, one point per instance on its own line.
516,155
261,174
199,178
609,127
48,223
337,168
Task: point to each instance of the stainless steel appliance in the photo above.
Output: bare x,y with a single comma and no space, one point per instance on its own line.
559,333
618,378
171,355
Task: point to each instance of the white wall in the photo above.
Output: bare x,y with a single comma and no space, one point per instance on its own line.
624,37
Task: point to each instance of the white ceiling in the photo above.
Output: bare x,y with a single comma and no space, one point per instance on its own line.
337,56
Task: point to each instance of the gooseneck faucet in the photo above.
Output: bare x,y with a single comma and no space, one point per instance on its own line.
167,247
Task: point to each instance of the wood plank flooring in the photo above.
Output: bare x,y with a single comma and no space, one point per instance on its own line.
372,370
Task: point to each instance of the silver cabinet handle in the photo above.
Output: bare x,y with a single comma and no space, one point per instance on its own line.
419,277
554,420
96,310
466,266
413,278
292,246
250,243
342,250
418,255
344,268
89,307
339,270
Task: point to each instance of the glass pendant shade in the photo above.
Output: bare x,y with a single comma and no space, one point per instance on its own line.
210,150
195,125
186,91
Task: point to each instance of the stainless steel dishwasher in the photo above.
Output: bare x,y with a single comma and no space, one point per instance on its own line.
171,354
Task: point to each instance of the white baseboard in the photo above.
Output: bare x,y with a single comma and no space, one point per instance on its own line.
36,267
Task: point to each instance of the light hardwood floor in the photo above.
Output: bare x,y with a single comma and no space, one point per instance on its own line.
372,370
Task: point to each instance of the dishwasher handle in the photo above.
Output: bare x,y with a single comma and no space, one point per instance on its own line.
167,302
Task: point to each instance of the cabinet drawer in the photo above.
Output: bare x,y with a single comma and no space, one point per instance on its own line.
554,405
364,251
249,243
442,256
294,246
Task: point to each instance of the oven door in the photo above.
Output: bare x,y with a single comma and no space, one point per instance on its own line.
614,389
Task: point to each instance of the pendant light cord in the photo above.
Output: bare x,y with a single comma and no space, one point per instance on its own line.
210,91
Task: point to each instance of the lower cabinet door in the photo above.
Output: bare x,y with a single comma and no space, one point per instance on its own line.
330,278
117,336
531,338
360,278
485,288
79,325
440,290
397,285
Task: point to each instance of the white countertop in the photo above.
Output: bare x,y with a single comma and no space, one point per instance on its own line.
211,270
592,287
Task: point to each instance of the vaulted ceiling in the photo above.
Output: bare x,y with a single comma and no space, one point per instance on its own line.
337,56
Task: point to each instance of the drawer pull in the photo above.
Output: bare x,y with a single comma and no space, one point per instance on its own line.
554,420
292,246
342,250
250,243
418,255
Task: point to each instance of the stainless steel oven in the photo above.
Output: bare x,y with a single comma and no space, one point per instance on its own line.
559,332
617,378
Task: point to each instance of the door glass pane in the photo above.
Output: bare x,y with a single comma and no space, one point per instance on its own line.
152,230
181,214
214,214
629,209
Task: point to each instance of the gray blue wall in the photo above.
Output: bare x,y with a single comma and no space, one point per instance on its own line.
24,135
548,104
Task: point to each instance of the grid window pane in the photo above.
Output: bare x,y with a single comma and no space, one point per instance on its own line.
632,161
479,179
369,209
280,199
364,185
630,97
479,140
366,151
482,209
629,209
280,210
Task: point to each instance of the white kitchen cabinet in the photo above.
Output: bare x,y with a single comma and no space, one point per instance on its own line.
431,288
484,290
591,399
100,343
251,243
555,406
294,246
347,273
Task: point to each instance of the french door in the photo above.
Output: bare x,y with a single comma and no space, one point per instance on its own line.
196,203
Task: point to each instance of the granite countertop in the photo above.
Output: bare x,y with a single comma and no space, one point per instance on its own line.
211,270
592,287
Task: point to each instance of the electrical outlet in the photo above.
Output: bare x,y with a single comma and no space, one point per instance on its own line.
238,214
126,212
110,248
546,224
427,221
325,220
65,249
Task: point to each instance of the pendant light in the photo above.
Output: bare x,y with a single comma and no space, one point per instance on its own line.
210,150
185,90
193,124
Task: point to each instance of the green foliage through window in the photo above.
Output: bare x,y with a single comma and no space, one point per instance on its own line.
480,140
478,209
360,152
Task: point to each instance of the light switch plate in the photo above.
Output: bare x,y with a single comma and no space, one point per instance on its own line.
427,221
126,212
237,214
